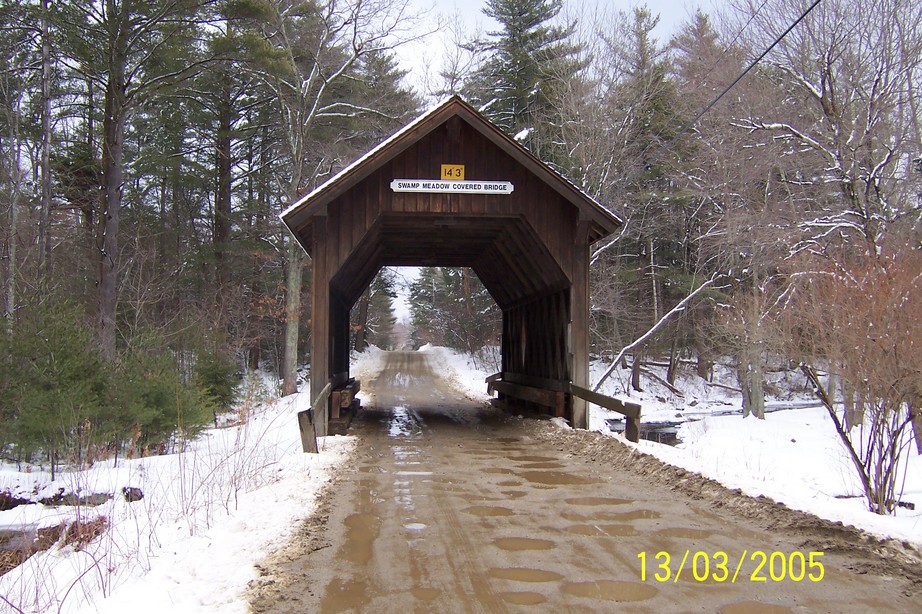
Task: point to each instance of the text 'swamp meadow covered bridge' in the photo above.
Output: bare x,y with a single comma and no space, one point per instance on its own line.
451,189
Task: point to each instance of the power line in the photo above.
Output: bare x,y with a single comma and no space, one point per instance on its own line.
752,65
688,126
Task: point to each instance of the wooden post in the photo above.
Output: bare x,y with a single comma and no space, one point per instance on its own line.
308,434
306,423
320,319
579,323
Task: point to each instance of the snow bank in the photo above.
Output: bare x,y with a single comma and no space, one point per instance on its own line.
793,456
208,514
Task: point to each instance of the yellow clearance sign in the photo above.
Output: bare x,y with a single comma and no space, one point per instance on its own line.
452,172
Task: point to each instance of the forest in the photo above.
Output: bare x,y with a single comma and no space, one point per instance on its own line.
766,161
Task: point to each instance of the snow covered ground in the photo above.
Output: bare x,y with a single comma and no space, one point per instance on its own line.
208,515
793,456
237,493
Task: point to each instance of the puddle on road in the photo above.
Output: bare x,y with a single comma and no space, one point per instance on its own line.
682,533
362,532
498,470
518,544
602,530
754,607
533,459
597,501
545,465
404,423
487,510
513,494
523,598
414,527
612,516
509,483
611,590
555,478
480,498
524,574
426,594
342,595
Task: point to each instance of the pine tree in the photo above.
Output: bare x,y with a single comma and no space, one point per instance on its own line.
451,307
528,61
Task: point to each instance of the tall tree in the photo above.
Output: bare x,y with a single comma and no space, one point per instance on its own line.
125,47
16,53
528,63
309,51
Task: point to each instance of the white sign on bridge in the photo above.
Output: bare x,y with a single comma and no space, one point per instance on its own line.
451,187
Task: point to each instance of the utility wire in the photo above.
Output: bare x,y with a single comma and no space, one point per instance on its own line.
688,126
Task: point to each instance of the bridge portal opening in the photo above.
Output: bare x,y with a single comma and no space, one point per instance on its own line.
405,308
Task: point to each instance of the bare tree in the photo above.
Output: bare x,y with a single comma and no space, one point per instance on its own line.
857,318
850,75
309,53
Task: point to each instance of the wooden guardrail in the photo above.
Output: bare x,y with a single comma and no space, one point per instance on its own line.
630,411
552,394
307,417
342,397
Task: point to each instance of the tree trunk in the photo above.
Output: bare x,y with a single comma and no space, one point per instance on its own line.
750,376
673,361
107,241
656,299
44,238
915,412
703,365
11,236
743,379
635,370
757,392
292,317
361,324
113,143
222,208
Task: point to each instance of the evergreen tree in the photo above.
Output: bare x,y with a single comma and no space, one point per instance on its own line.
529,61
373,315
451,307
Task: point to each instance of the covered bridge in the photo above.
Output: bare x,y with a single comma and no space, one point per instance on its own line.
451,189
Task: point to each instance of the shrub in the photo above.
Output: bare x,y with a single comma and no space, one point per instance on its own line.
217,378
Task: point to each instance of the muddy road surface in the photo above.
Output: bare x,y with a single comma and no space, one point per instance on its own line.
453,507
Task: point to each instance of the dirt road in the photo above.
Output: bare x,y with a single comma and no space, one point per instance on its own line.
451,507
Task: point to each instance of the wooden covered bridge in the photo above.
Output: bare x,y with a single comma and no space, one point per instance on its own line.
451,189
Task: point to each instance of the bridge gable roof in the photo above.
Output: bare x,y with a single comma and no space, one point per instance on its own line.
298,217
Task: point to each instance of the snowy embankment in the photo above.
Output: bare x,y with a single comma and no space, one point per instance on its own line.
793,456
208,515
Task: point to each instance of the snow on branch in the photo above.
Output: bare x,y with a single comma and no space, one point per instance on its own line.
655,329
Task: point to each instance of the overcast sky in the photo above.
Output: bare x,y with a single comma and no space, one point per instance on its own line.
430,51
